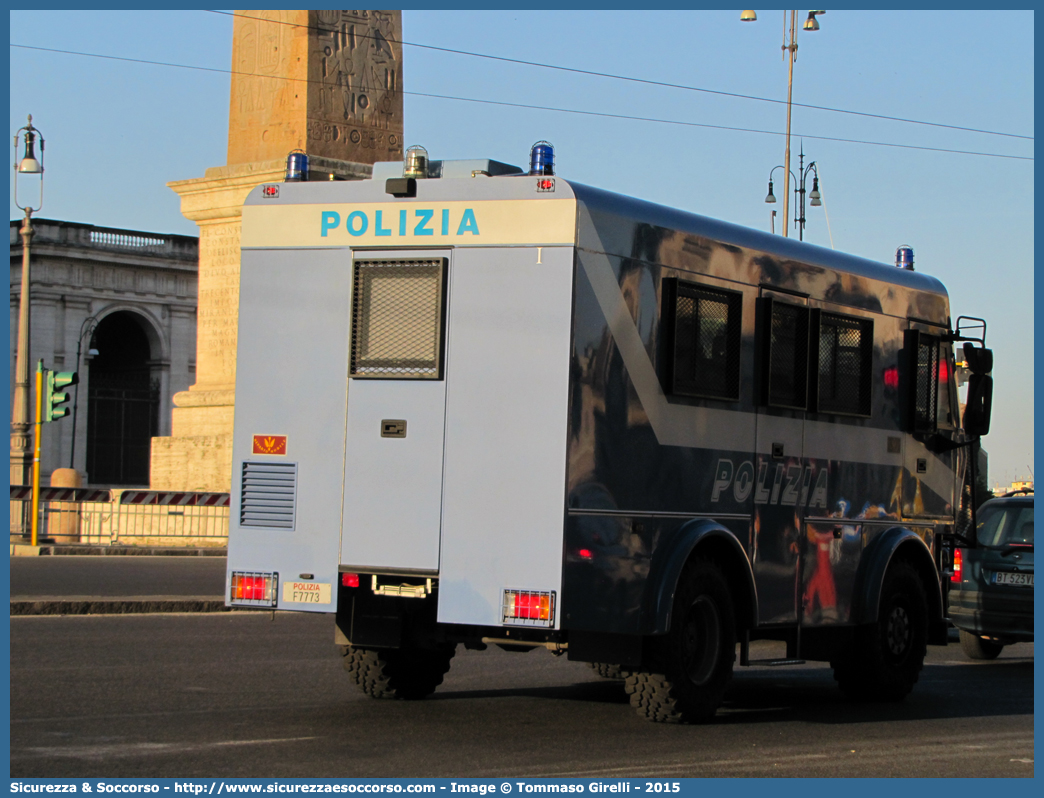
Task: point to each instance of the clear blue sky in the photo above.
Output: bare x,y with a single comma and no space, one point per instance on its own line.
117,131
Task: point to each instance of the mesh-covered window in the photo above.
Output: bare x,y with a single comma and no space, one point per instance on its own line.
845,364
946,388
397,319
787,355
706,341
925,398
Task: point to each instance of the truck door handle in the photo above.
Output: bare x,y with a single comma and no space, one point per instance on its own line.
393,428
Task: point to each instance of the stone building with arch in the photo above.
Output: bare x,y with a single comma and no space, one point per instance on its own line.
131,296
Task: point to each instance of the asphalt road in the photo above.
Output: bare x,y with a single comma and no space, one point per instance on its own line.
257,695
114,577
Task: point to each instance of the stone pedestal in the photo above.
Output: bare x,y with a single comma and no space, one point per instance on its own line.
325,82
198,454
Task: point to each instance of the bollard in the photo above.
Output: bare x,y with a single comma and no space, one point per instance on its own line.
63,524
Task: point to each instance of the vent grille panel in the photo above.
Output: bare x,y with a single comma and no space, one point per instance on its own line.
269,495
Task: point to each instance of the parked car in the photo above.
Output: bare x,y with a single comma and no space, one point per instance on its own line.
991,590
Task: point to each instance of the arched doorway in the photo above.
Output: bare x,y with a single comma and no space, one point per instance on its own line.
122,403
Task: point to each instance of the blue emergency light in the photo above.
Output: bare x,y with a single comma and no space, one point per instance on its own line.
542,159
296,167
904,257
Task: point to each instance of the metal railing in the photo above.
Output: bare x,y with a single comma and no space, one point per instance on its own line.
127,518
88,236
114,238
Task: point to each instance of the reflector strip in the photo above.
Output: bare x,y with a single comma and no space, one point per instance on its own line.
254,589
529,607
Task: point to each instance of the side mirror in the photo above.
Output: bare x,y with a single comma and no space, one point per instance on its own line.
980,404
980,361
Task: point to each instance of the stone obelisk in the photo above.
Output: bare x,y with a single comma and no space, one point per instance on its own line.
325,82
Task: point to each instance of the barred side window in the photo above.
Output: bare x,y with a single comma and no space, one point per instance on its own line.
397,319
924,388
845,364
787,362
706,341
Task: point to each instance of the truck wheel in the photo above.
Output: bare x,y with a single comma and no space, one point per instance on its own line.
887,656
609,671
692,663
976,647
409,673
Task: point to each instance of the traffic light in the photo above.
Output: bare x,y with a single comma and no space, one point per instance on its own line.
56,380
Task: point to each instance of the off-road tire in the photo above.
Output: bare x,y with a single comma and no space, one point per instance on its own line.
409,674
887,656
609,671
976,647
690,666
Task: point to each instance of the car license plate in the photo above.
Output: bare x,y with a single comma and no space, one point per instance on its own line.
1009,578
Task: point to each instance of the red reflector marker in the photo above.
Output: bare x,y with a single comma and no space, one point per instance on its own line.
891,377
350,580
958,565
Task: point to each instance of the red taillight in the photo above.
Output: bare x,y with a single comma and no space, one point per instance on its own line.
534,606
350,580
585,554
958,565
254,588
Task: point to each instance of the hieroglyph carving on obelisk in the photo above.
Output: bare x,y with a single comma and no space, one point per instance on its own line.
326,82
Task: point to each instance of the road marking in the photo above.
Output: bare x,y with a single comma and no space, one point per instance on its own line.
774,760
124,750
169,713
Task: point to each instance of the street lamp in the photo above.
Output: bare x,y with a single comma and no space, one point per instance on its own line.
770,198
90,324
811,24
21,446
815,197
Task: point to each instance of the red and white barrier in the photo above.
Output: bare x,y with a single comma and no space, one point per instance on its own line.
173,498
25,493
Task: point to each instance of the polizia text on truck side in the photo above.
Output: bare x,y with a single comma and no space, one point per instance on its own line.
477,406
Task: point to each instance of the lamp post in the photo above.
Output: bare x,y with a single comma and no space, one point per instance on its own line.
90,324
815,197
811,24
21,424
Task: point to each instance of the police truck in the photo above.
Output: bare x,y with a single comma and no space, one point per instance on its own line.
483,406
